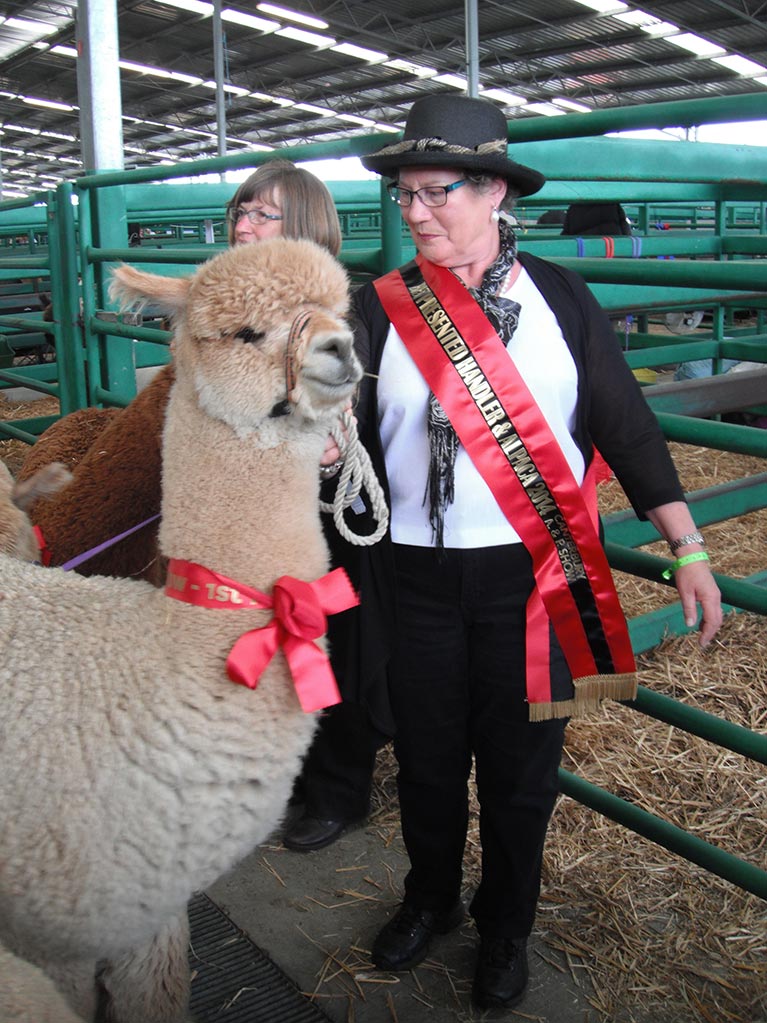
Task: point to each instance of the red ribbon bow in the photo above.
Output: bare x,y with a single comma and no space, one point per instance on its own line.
300,617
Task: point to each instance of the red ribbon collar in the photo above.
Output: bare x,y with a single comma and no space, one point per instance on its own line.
45,553
300,617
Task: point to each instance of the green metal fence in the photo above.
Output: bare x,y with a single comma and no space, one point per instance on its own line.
718,239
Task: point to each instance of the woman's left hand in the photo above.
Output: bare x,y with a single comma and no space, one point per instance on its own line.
332,452
695,585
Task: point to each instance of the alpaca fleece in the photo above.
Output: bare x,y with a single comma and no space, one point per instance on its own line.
133,771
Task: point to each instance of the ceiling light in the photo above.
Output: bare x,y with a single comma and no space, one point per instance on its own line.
695,44
322,111
33,101
653,26
35,28
249,20
570,104
281,101
387,127
65,51
372,56
547,109
22,128
355,119
412,69
58,135
158,72
604,6
235,90
740,65
455,81
297,16
301,36
191,6
509,99
761,81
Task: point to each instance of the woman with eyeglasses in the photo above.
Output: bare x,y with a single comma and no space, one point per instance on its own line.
492,376
282,200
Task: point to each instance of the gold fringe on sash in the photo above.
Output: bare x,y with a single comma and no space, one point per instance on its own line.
589,693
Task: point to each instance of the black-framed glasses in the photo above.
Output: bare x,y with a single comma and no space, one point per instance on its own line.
256,217
430,195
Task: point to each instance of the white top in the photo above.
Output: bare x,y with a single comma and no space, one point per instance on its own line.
544,361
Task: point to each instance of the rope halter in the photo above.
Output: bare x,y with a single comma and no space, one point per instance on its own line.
297,329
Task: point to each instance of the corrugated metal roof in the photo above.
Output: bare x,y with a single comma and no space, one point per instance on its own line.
540,52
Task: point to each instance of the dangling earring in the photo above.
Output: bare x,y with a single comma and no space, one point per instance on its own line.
507,218
495,216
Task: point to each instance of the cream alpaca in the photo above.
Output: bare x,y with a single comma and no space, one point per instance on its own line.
134,772
28,996
17,536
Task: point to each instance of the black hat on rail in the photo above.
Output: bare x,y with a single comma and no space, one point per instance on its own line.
455,131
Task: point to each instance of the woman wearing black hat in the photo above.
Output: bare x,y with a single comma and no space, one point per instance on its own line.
493,375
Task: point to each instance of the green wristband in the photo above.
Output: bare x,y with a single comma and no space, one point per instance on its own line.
688,559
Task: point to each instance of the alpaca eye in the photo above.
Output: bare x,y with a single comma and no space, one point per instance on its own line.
249,336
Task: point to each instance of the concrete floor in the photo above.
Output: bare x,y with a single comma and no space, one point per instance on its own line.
315,915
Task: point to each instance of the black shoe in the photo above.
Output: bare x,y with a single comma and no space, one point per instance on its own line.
501,976
307,833
404,941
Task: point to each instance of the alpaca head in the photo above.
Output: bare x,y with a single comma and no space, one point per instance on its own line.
17,537
259,331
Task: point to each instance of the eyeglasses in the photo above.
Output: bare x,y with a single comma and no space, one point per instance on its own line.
256,217
431,195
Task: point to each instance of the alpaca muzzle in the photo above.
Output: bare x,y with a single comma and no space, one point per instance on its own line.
328,362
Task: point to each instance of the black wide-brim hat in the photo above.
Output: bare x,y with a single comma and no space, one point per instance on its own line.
455,131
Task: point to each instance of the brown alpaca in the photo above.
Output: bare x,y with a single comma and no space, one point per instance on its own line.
115,458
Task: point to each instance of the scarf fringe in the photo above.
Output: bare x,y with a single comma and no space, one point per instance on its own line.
589,693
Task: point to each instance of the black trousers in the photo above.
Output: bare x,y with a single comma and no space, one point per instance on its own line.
337,774
458,691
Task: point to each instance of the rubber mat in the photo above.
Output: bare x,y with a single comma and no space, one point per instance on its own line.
233,981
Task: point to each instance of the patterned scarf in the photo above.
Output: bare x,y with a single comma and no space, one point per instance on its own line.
503,314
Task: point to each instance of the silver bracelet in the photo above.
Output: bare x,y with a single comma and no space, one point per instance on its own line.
683,541
327,472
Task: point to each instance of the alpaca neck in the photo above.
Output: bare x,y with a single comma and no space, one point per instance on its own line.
245,510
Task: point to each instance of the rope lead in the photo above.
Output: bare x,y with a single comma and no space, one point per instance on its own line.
356,472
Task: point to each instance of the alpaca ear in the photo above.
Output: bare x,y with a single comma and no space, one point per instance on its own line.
133,289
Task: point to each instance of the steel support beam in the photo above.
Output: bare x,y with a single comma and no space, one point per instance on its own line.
98,85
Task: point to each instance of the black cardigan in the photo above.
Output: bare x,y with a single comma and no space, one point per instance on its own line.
611,415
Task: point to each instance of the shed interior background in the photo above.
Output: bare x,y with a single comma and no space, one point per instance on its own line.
352,67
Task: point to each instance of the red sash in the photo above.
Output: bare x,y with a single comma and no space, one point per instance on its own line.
495,417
